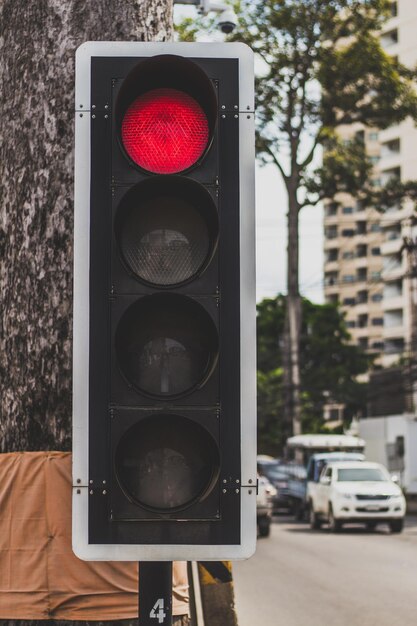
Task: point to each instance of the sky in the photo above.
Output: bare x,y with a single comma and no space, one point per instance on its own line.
271,240
271,231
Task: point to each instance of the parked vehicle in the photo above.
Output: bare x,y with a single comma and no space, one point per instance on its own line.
316,451
304,446
355,492
264,506
278,473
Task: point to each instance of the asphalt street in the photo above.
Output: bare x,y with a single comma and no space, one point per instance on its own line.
356,578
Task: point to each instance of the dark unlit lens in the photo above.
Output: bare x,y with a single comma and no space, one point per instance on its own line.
167,462
166,344
165,240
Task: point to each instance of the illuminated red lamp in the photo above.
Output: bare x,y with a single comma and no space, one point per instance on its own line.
165,131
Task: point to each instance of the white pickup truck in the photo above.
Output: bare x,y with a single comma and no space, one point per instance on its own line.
356,492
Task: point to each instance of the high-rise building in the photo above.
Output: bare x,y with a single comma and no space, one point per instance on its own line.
367,269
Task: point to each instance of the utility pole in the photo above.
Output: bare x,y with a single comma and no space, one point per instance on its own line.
410,248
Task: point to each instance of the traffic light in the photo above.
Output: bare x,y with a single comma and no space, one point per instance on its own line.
164,463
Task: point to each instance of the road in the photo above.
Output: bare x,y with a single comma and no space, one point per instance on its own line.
301,577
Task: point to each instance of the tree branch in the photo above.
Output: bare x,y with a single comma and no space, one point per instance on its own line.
277,163
310,155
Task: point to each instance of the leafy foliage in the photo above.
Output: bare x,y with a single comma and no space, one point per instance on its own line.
320,64
271,428
329,368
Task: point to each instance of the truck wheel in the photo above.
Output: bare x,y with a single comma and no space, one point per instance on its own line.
396,526
335,525
299,511
315,521
264,526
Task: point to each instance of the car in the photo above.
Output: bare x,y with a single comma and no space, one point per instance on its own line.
302,492
278,474
265,494
357,492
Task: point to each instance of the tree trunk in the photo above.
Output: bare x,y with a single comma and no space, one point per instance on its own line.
38,43
291,344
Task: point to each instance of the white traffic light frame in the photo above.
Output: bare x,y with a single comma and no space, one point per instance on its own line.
81,487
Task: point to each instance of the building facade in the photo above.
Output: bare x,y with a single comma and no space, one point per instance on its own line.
368,270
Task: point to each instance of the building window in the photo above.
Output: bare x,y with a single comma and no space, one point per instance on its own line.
393,346
390,148
349,301
347,210
362,297
331,232
360,228
362,321
376,297
332,255
377,321
373,136
392,262
330,279
394,9
348,232
376,251
392,234
348,278
331,210
349,255
375,228
390,38
350,324
363,342
333,299
393,319
375,276
362,274
393,174
377,345
374,159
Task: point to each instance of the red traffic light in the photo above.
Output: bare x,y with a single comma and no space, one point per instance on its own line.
165,131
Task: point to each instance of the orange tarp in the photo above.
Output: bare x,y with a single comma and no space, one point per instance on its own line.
40,577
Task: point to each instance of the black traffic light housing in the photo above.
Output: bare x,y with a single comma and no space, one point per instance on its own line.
164,358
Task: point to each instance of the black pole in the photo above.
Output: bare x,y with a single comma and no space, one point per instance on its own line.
155,593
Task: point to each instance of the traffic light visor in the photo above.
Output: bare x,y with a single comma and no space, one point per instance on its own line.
167,462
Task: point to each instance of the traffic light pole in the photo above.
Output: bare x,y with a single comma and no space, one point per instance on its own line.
155,593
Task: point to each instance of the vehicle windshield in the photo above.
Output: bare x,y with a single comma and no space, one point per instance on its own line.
275,473
364,473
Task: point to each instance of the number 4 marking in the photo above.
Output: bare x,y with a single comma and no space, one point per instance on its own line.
157,611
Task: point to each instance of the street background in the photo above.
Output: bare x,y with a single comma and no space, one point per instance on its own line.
355,578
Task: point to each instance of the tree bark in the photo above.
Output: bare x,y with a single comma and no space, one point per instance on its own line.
291,344
37,46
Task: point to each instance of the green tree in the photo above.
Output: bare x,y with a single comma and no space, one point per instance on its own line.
271,428
329,367
320,65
